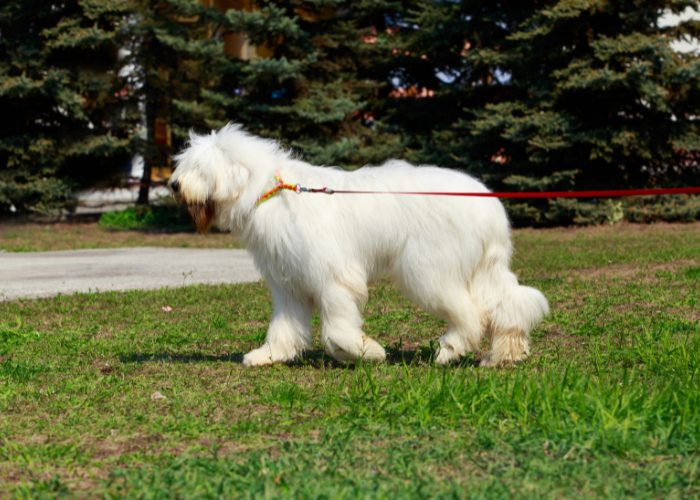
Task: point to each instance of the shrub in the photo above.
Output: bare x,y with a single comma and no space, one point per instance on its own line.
142,217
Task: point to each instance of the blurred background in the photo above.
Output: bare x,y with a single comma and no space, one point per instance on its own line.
529,95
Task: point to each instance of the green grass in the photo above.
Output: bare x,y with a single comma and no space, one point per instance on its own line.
144,217
607,406
52,236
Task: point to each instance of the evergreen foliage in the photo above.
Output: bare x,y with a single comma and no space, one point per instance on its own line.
314,89
528,95
174,56
61,112
584,94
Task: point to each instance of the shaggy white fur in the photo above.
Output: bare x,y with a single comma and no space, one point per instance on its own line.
450,255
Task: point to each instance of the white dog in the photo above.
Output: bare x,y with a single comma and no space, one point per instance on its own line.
448,254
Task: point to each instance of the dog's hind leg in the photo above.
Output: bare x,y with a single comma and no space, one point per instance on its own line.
519,310
450,300
513,309
289,333
467,323
341,325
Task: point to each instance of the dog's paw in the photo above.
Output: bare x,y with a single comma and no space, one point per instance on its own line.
445,353
490,361
258,357
372,351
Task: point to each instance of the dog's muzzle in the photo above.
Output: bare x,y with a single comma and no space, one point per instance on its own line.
202,214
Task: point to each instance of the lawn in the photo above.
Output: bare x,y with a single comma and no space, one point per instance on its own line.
110,396
85,234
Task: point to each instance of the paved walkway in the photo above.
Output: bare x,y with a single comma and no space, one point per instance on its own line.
44,274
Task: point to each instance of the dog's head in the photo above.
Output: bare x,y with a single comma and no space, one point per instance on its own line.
207,175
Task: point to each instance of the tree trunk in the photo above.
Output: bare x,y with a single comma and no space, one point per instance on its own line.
149,153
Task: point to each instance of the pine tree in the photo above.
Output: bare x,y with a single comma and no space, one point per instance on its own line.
556,94
313,87
534,94
175,54
61,122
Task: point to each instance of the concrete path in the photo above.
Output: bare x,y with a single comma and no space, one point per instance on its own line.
43,274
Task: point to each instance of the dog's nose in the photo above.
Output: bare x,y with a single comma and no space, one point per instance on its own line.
175,186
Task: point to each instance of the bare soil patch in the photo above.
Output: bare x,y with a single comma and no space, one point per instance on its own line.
555,338
628,271
570,232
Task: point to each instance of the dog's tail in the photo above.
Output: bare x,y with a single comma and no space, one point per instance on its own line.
511,307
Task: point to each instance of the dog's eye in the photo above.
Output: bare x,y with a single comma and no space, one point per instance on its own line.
175,186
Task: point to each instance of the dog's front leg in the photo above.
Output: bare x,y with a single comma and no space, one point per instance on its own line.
289,333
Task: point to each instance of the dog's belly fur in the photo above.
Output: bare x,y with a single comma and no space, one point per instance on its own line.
448,254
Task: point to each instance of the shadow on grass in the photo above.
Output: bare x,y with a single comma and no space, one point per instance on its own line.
195,357
315,358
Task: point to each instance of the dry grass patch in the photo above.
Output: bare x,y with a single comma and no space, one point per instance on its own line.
37,237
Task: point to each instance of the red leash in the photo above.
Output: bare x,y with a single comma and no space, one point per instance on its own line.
545,194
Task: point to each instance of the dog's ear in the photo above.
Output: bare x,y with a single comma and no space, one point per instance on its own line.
230,182
202,215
